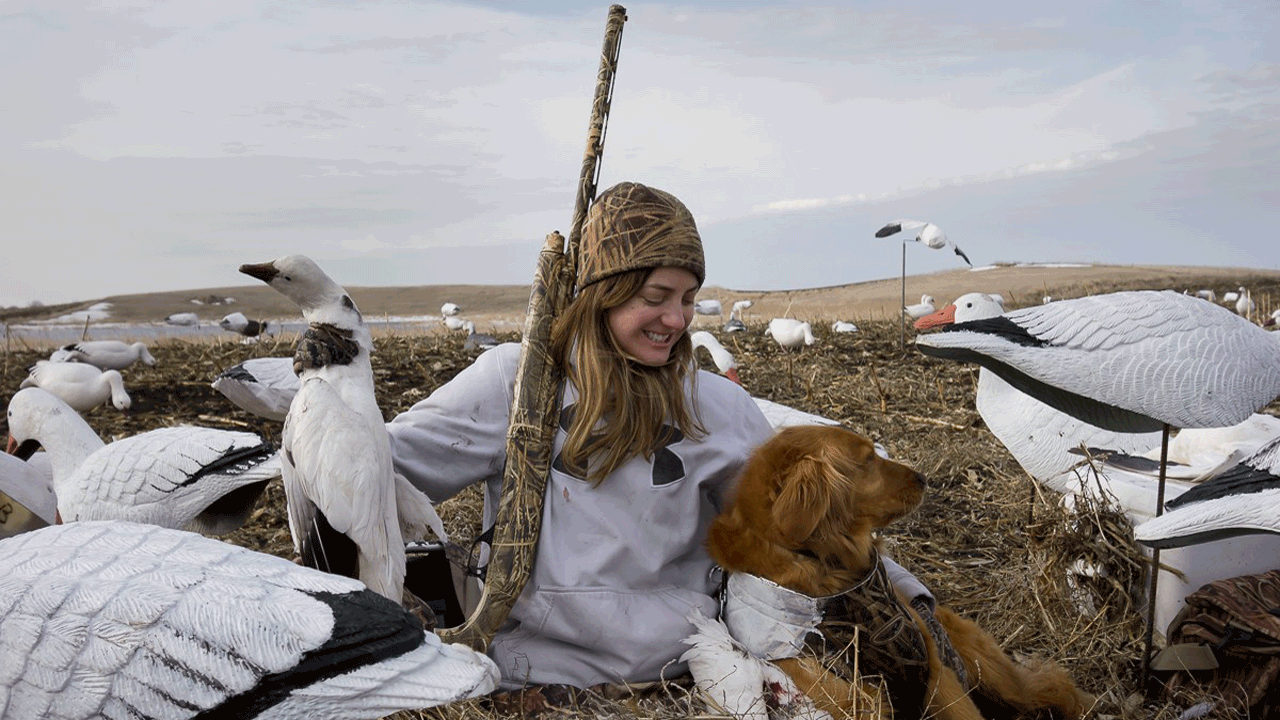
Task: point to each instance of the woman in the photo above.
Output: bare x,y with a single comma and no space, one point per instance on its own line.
648,447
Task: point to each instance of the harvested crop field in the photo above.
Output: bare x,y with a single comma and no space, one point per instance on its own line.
986,541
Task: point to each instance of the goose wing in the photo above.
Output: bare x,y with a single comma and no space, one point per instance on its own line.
168,476
340,488
98,619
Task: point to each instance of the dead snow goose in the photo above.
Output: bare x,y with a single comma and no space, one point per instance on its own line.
108,354
262,386
790,333
198,478
114,619
80,385
346,503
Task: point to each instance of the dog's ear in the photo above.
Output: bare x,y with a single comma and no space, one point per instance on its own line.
803,499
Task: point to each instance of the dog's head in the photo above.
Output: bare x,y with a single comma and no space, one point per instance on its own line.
818,489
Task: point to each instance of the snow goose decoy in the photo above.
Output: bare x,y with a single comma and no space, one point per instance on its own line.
262,386
1242,500
196,478
115,619
349,511
80,385
454,322
236,322
920,309
107,354
735,324
477,341
708,307
841,326
929,235
790,333
778,415
1245,304
449,309
184,319
1136,361
1273,320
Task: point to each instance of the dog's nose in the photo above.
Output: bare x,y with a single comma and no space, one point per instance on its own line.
920,479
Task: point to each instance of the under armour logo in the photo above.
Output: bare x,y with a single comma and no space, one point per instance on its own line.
667,465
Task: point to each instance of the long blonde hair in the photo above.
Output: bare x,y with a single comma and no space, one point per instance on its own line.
632,404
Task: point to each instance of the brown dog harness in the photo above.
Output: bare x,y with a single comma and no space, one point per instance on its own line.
866,627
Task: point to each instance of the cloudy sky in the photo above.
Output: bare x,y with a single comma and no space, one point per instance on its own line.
153,146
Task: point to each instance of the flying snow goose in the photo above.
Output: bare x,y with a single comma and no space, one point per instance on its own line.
790,333
198,478
236,322
929,235
920,309
1126,361
1244,499
80,385
26,497
107,354
115,619
262,386
349,511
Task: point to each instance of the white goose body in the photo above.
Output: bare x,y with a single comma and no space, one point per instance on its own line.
790,333
262,386
114,620
25,485
197,478
108,354
345,502
1241,500
1127,361
80,385
920,309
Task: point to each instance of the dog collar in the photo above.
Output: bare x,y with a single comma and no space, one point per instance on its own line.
771,621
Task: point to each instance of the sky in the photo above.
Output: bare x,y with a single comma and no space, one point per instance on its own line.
152,146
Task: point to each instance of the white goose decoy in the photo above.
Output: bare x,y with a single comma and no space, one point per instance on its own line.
790,333
708,307
929,235
449,309
262,386
186,319
1273,320
1242,500
236,322
80,385
454,322
26,497
920,309
1245,304
778,415
107,354
349,511
197,478
1131,362
841,326
1207,294
115,619
477,341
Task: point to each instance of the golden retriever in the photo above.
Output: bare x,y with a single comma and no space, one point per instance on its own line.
803,517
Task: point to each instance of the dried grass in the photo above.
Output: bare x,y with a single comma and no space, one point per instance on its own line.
986,541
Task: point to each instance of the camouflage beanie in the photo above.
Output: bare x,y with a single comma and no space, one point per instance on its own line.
632,227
